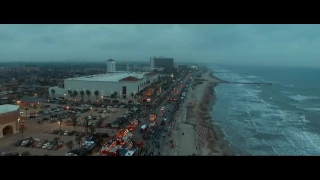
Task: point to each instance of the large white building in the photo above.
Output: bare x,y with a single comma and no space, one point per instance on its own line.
123,83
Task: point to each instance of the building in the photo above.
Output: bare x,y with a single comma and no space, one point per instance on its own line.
123,67
183,67
9,119
161,63
123,83
111,66
27,102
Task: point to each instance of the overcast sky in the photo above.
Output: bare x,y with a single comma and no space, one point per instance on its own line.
250,44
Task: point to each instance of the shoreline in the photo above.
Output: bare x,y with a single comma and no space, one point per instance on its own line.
210,140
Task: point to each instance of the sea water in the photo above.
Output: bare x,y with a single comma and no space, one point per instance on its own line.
278,119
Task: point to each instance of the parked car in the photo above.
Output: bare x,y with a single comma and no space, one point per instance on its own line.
24,142
39,145
71,133
46,145
30,142
51,146
18,143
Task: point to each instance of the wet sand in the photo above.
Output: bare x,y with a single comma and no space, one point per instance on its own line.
209,139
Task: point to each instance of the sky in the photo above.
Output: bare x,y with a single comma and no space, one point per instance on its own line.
289,45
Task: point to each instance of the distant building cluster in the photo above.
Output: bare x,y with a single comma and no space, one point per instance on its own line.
100,86
120,78
112,66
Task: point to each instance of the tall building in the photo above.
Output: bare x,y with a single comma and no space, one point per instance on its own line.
161,63
111,66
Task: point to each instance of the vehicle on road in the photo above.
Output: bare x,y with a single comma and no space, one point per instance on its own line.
143,128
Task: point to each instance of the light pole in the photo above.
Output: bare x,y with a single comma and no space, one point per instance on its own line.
134,94
59,124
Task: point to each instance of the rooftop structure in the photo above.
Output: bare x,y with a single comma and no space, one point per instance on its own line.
8,108
114,77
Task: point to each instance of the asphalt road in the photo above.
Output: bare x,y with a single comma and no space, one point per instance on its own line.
157,142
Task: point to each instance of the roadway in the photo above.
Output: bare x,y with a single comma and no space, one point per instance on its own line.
157,144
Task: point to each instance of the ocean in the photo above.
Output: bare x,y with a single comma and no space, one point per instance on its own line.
278,119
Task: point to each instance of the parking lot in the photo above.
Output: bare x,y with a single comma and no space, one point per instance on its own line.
42,126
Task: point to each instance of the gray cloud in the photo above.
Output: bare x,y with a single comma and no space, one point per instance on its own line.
249,44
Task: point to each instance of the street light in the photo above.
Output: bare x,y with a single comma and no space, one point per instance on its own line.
59,124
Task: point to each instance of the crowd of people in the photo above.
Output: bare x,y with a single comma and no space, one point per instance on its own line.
156,142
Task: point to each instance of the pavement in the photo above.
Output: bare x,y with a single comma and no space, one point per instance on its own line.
158,144
41,131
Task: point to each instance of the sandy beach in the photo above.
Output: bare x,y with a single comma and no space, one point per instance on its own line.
195,133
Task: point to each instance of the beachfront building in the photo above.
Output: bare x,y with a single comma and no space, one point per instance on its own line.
98,87
161,63
9,119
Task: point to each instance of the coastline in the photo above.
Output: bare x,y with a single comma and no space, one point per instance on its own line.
209,138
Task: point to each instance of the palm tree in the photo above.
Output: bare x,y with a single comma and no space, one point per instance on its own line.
112,97
99,123
26,153
82,94
56,140
132,95
69,145
75,94
92,129
96,93
70,93
53,92
22,128
88,94
78,140
26,109
74,120
115,95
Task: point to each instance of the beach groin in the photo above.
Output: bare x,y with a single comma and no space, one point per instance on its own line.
229,82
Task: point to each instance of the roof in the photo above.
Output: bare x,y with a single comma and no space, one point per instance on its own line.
151,74
111,60
32,99
130,78
8,108
111,77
